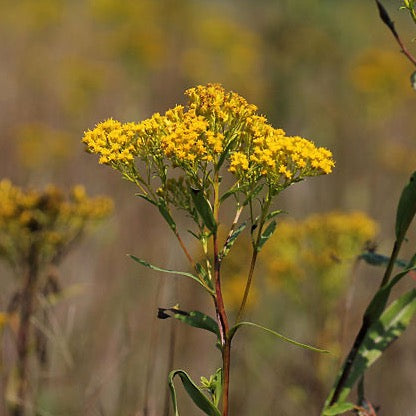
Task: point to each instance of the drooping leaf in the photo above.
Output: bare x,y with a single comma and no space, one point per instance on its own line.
197,396
231,239
392,323
193,318
204,209
159,269
338,409
276,334
406,209
267,233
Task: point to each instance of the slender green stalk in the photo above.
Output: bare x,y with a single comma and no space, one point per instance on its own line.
265,210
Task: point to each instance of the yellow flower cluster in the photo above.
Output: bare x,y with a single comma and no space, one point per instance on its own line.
189,138
216,126
45,218
319,249
306,257
114,141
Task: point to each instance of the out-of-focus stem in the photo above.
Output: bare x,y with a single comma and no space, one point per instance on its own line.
23,333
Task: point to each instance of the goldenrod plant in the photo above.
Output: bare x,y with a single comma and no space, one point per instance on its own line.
218,148
37,229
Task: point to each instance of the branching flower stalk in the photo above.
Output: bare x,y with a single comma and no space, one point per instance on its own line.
185,154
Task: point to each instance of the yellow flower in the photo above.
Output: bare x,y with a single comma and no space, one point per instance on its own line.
216,126
45,218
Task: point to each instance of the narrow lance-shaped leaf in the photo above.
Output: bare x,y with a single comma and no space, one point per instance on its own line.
193,318
197,396
204,209
166,215
392,323
276,334
380,299
159,269
406,209
376,259
231,239
267,233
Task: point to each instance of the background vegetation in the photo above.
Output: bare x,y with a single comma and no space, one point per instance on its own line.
329,71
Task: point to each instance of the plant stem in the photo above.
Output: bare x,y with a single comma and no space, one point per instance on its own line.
23,334
248,286
265,209
219,307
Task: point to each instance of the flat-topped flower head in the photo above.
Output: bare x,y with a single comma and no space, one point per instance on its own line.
218,129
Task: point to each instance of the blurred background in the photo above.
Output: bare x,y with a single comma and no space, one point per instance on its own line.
328,71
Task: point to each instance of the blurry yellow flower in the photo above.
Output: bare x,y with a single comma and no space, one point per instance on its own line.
45,218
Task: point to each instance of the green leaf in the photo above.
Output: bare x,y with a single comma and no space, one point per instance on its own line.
166,215
406,209
231,240
194,318
272,214
376,259
224,154
204,275
338,409
379,301
197,396
159,269
227,194
204,209
217,387
413,80
391,325
267,233
276,334
145,197
253,193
